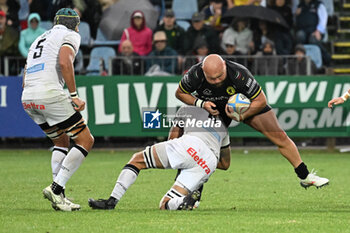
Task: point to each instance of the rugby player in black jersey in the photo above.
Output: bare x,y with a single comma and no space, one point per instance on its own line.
210,84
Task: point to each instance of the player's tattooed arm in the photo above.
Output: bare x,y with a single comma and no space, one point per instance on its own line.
175,132
225,158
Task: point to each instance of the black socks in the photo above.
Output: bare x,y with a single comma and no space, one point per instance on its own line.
302,171
56,188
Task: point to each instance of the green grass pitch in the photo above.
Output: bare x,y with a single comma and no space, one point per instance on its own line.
259,193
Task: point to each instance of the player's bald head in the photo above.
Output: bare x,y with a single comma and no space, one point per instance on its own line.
214,68
213,62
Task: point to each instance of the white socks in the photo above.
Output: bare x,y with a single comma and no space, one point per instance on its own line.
58,154
174,203
70,164
176,199
126,178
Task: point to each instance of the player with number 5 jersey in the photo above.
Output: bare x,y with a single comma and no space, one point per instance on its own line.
49,66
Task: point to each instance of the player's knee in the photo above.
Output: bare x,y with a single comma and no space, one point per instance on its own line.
62,141
90,140
137,160
162,203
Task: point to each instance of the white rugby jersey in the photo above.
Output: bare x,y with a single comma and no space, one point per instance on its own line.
198,122
44,78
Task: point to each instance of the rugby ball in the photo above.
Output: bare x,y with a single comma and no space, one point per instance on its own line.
238,103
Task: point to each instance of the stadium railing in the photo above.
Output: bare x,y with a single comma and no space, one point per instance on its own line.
170,65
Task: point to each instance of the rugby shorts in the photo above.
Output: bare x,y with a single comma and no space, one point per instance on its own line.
190,154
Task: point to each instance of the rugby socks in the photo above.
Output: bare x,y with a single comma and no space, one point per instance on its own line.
175,201
302,171
58,155
70,164
56,188
126,178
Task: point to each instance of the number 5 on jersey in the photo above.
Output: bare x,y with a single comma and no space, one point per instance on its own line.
39,46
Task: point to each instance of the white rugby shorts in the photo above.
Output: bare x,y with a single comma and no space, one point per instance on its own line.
190,154
52,110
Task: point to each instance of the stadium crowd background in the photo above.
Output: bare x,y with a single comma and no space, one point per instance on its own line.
265,48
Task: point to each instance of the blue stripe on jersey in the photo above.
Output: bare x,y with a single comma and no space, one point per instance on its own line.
213,132
36,68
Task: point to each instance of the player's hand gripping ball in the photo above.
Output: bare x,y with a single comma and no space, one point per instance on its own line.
237,105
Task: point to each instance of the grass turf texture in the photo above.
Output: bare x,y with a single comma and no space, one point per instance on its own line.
259,193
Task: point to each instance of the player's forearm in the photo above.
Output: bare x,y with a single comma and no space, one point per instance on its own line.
184,97
68,76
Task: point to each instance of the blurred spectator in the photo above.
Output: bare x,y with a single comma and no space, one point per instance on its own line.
260,35
311,23
58,4
266,62
231,48
213,14
238,34
284,9
13,7
28,35
139,34
174,33
200,51
168,65
199,29
42,7
128,62
231,51
233,3
90,12
158,5
283,38
8,41
106,3
298,66
23,13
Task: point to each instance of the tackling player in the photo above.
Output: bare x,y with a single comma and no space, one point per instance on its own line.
209,84
198,152
49,66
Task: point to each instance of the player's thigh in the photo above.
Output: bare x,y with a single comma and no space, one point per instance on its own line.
268,125
175,153
76,128
192,178
148,158
35,108
62,114
57,135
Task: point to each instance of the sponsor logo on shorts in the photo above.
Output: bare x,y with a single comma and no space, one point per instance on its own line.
200,161
33,106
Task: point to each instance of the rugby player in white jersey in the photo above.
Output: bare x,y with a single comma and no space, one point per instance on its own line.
203,147
49,66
